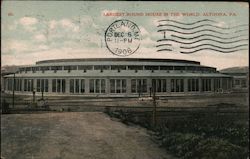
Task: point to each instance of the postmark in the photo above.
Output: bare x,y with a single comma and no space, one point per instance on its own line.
123,37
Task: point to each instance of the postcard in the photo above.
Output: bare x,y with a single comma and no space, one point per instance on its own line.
124,79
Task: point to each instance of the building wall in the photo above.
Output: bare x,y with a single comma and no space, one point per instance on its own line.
119,86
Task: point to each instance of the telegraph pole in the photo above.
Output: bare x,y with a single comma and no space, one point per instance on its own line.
13,91
154,107
42,94
34,95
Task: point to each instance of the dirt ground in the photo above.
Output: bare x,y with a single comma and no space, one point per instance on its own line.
76,135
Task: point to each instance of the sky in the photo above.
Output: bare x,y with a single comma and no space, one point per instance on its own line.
40,30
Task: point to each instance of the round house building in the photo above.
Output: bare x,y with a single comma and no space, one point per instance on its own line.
117,77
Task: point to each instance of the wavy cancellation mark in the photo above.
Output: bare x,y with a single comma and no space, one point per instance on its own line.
200,35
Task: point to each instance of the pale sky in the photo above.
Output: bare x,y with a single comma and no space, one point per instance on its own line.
34,31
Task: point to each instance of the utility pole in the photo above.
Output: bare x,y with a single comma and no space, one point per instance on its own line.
13,91
34,95
154,108
42,94
150,91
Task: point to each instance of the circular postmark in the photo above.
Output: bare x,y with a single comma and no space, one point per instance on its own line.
123,37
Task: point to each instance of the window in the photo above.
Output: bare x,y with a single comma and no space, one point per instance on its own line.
6,83
118,85
34,69
159,85
151,67
211,69
38,85
63,85
243,83
91,85
58,85
226,83
97,86
135,67
190,68
82,85
42,85
56,67
21,69
28,85
112,86
103,85
179,67
18,84
10,84
115,67
208,69
28,69
138,85
230,83
54,85
25,84
46,87
85,67
72,85
193,85
206,84
166,67
77,85
217,84
45,68
177,85
101,67
15,84
237,82
70,68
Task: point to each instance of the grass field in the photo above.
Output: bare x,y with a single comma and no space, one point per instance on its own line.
218,133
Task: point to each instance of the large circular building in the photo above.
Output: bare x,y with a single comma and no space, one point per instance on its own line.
117,77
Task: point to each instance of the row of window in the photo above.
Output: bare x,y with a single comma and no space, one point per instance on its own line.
116,67
27,84
77,85
117,85
58,85
42,85
240,83
97,86
139,85
159,85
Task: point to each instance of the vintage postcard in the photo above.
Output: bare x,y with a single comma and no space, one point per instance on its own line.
124,80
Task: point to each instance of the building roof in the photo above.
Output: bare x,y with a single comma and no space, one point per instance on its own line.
118,59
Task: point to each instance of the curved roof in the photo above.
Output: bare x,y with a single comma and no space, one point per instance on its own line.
118,59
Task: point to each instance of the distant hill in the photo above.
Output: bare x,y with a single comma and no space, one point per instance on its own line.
243,69
9,69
